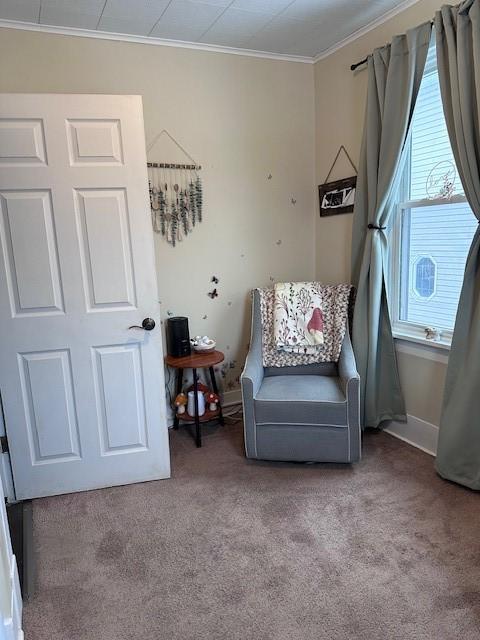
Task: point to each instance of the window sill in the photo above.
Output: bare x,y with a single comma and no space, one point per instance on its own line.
435,344
420,347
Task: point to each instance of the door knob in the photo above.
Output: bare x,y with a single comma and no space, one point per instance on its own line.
147,323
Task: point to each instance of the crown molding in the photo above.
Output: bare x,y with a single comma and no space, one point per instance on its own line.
161,42
181,44
402,6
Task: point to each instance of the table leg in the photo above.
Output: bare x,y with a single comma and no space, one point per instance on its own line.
215,390
198,435
177,391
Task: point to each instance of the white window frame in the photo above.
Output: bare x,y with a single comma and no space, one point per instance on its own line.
402,328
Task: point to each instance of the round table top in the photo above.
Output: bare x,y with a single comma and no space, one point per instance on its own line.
195,360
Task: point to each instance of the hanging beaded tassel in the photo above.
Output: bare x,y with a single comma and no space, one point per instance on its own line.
173,223
153,208
184,212
198,197
157,204
192,204
162,212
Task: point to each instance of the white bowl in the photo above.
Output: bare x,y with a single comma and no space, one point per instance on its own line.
205,348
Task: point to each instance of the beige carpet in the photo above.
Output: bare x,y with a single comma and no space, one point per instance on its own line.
231,549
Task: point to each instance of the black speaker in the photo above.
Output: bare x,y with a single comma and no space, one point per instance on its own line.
178,337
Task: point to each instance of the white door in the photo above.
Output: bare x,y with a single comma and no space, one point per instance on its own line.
83,395
10,596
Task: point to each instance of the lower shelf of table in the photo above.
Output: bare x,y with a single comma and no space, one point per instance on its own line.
207,416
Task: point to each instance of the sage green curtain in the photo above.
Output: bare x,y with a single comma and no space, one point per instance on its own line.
394,75
458,55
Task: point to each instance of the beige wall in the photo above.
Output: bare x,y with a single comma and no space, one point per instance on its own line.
242,119
339,112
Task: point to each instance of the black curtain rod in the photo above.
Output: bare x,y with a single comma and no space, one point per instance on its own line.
358,64
365,60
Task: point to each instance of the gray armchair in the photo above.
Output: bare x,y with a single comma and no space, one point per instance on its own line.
307,413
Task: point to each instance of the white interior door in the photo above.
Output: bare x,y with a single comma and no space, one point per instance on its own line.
10,596
83,394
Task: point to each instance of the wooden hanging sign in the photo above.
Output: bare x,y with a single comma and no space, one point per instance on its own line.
339,196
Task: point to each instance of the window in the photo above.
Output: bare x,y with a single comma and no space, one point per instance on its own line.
434,225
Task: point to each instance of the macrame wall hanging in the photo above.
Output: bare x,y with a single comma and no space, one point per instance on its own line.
176,195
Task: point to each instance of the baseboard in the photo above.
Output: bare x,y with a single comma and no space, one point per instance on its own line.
231,398
417,432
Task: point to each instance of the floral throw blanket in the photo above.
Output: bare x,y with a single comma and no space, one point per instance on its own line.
303,323
298,317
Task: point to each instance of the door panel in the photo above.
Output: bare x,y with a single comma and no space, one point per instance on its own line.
96,142
30,247
83,394
108,275
48,399
22,142
118,370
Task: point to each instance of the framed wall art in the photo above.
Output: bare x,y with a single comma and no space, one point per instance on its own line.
337,197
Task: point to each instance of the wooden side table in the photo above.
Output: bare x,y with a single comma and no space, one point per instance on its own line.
197,361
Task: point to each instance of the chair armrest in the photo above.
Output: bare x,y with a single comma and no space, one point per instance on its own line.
251,379
252,374
347,367
350,379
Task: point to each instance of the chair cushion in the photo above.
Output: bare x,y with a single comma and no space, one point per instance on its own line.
301,399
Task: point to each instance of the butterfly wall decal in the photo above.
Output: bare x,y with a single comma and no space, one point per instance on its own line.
213,294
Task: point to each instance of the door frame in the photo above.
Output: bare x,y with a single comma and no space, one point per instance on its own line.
6,474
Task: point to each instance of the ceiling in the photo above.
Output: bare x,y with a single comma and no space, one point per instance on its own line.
304,28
